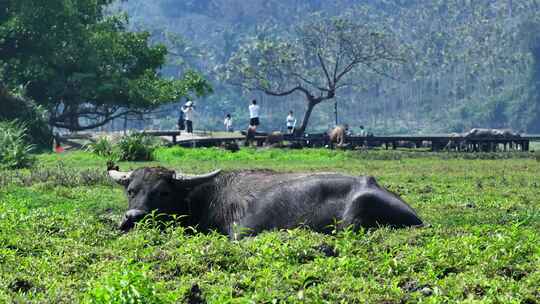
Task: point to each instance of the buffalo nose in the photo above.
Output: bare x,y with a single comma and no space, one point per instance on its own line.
130,218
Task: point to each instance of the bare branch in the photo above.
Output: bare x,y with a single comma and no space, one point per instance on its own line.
285,93
321,60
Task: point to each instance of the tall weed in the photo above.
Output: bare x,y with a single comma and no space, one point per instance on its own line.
133,147
14,151
136,147
102,147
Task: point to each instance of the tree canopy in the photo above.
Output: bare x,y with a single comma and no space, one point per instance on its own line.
82,64
317,60
15,107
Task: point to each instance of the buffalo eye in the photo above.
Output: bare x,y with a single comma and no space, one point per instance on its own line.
132,192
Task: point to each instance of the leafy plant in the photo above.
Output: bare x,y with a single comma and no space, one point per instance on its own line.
136,147
127,287
14,151
102,147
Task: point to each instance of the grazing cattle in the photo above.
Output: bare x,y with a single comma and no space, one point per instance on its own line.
230,146
486,140
456,143
274,139
490,133
337,135
405,144
247,202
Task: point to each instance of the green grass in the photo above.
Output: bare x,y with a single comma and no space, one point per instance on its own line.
59,243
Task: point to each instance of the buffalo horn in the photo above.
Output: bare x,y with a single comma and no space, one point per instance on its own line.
196,178
119,176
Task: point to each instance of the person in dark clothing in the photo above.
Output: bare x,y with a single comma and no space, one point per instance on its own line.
181,121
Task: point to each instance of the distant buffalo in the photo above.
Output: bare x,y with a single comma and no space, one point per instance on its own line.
338,134
455,143
274,139
243,203
477,133
472,140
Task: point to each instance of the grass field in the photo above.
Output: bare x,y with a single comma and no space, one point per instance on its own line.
59,242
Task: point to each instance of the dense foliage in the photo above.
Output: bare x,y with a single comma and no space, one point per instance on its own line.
475,63
14,147
17,107
82,65
136,147
60,243
132,147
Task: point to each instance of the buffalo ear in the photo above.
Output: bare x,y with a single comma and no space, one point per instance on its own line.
190,181
122,178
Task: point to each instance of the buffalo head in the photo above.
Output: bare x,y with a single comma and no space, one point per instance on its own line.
156,190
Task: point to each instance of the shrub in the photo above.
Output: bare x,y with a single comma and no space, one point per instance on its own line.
102,147
14,151
133,147
136,147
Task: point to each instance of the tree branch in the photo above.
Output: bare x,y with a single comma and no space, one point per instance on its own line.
323,65
285,93
61,123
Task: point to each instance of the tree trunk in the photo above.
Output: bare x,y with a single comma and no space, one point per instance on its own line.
310,105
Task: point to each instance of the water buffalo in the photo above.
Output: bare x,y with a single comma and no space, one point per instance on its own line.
455,143
274,139
490,133
337,135
488,140
255,201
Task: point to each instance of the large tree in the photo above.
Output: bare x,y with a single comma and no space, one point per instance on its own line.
82,65
317,60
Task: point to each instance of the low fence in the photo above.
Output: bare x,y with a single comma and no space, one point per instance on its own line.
432,142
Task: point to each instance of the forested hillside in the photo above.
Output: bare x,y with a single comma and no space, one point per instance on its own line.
471,63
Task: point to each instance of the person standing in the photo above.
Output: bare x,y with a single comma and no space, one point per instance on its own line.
363,132
291,122
181,120
228,123
188,116
254,115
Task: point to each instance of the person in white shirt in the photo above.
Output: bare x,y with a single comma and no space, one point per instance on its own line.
291,122
188,116
254,115
228,123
